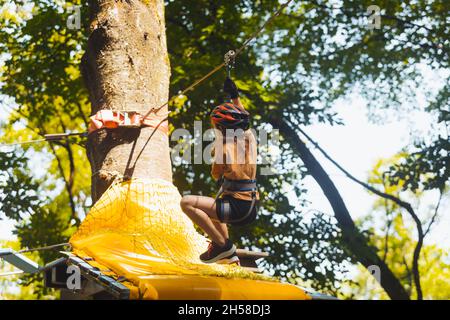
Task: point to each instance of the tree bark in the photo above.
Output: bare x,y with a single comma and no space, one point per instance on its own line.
355,242
126,68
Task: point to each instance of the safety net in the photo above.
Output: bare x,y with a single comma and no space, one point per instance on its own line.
137,231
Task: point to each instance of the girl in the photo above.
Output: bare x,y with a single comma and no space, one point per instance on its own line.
234,167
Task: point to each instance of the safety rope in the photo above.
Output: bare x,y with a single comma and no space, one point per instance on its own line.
223,64
21,143
47,137
46,248
12,273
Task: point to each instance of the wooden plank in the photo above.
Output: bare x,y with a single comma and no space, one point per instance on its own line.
242,253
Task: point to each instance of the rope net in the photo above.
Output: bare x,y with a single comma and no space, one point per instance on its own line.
137,229
142,220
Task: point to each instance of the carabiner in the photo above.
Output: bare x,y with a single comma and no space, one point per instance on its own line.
229,60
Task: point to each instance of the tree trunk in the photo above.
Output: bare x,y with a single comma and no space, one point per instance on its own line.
126,68
354,241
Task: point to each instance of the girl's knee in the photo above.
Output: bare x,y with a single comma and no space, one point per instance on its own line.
186,202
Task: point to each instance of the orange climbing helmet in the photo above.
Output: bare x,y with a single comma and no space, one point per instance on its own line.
230,116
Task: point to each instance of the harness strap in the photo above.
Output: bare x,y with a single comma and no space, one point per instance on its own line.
236,186
226,210
219,193
239,185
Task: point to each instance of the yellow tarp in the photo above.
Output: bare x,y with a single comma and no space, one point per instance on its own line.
137,230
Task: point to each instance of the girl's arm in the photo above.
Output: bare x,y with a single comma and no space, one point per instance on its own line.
218,167
237,101
230,87
217,171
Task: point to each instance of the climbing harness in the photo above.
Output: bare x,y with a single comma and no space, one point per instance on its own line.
47,137
243,185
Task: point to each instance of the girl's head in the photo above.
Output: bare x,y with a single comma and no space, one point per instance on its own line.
230,116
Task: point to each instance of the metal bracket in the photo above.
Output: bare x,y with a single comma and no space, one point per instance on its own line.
112,286
19,261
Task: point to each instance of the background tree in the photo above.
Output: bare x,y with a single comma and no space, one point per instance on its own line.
391,231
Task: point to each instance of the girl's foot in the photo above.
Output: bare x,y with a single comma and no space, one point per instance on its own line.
216,252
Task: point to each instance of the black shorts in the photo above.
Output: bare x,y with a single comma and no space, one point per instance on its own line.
238,209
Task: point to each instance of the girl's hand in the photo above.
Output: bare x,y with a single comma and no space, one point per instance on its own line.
230,87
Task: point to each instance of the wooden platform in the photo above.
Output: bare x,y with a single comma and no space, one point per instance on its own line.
248,259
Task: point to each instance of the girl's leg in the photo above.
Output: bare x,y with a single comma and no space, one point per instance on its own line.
202,211
222,227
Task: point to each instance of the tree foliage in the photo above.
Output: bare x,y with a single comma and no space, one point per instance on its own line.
312,54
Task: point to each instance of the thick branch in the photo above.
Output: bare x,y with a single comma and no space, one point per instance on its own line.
433,218
66,182
82,115
70,180
388,228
